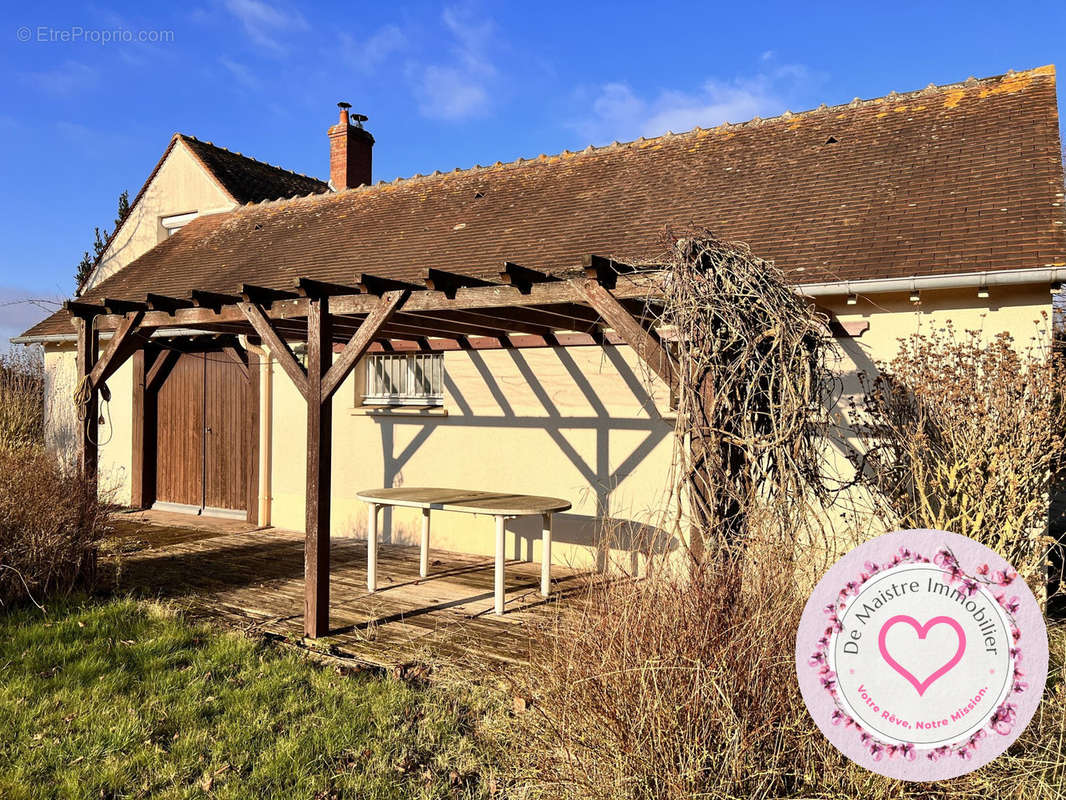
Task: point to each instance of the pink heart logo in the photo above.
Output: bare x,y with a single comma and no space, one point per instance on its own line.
922,630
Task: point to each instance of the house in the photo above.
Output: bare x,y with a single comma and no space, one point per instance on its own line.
476,318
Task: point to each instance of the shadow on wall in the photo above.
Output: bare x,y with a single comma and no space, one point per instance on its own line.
626,535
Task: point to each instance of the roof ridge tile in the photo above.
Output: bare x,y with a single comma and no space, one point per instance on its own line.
857,102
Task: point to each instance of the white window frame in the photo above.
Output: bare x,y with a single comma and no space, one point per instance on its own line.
404,379
175,222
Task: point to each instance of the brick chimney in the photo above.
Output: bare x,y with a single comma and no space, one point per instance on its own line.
350,149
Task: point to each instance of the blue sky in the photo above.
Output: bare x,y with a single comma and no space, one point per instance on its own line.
444,85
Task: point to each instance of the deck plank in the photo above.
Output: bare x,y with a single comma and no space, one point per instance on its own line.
253,579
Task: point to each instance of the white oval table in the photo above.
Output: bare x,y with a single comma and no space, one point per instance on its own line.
467,501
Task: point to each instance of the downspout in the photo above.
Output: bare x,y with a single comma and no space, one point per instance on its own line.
266,424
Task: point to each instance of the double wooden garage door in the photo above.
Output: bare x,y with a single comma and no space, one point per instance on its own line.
203,434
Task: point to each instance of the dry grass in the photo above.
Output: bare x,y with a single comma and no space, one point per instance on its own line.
684,687
49,526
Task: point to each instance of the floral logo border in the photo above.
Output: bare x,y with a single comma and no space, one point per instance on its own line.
1002,720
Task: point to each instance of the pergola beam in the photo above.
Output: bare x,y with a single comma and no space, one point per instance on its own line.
213,300
319,470
77,308
88,350
115,306
360,341
123,344
645,343
161,302
263,295
424,326
523,278
516,342
309,287
377,285
605,271
278,347
449,283
512,321
635,286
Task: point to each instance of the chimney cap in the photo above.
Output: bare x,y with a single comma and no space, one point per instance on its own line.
344,105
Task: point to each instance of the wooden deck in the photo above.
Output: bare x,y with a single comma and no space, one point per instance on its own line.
253,579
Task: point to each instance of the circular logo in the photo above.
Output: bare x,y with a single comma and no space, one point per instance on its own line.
921,655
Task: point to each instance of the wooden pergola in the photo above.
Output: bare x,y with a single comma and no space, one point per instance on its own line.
601,302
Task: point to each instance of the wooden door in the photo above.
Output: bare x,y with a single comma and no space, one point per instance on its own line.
226,434
179,476
205,442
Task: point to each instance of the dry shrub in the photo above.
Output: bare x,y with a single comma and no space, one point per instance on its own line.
21,397
50,523
966,434
50,517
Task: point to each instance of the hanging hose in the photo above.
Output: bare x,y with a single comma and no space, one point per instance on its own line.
83,395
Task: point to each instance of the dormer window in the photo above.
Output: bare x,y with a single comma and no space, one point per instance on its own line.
176,222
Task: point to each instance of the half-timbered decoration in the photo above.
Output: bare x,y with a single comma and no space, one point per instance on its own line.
227,354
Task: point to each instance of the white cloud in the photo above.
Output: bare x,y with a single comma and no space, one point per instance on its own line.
21,309
369,54
619,113
264,23
450,93
241,73
68,78
462,87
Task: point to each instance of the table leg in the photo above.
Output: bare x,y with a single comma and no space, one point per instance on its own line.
546,556
423,560
499,564
372,549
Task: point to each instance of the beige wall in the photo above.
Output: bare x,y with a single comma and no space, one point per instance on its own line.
180,186
62,426
60,420
1023,311
579,424
115,436
575,423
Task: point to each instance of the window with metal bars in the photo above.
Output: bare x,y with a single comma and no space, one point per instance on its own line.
412,379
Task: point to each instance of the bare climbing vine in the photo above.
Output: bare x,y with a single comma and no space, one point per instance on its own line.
754,390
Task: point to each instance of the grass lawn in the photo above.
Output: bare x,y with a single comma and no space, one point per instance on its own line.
119,698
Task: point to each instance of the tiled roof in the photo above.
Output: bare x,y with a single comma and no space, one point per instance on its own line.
948,179
247,180
244,179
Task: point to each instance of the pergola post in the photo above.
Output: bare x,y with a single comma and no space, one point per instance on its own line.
88,351
319,469
324,377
